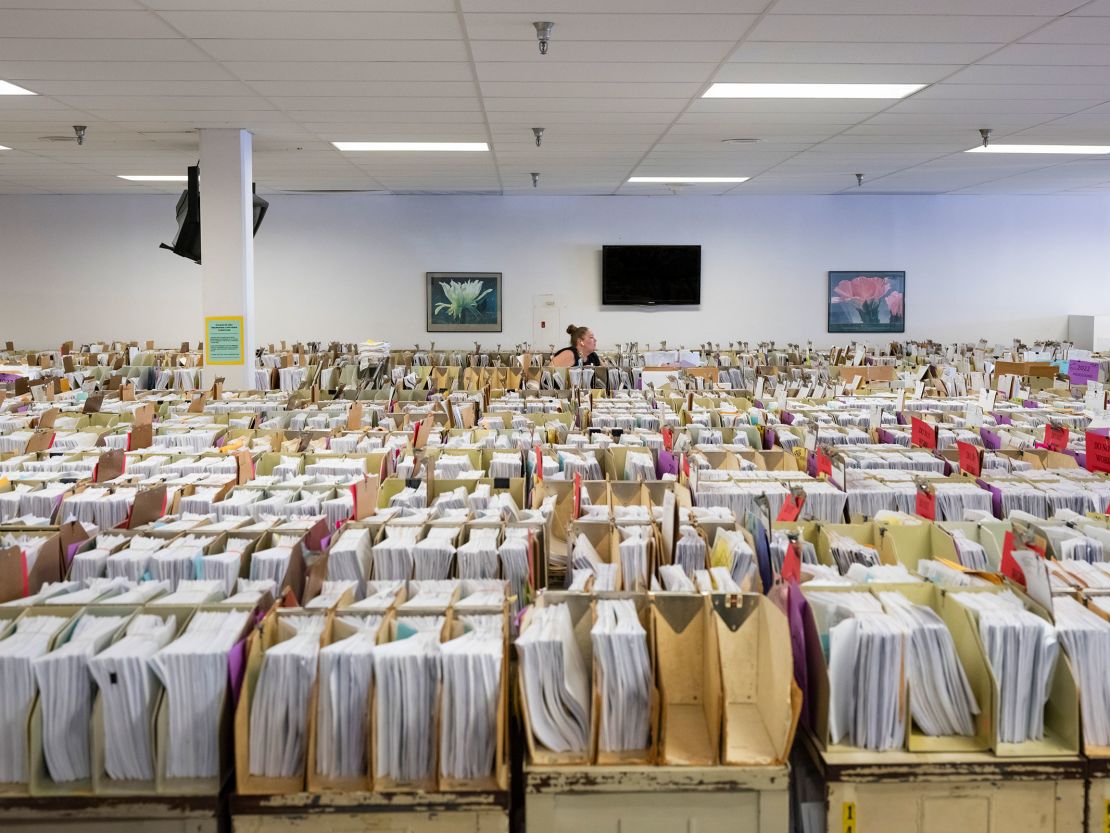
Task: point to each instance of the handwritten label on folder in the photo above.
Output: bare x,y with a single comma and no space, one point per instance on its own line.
1098,452
971,458
1055,438
922,434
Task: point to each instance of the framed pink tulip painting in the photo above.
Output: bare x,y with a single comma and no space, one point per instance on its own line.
867,302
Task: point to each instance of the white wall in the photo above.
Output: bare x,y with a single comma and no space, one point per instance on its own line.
352,267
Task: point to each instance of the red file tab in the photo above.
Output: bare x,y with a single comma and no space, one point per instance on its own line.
971,459
922,434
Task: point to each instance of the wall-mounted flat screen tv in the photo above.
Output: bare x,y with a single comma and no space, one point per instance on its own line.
650,275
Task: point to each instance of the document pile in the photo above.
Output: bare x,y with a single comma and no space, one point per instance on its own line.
941,699
128,693
623,676
279,708
866,657
478,557
515,566
847,551
971,553
29,641
343,705
65,695
1086,639
393,559
349,557
133,562
434,556
780,543
406,680
587,564
635,551
556,681
468,724
690,551
1022,650
193,669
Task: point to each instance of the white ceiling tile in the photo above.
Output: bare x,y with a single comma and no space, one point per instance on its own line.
374,105
1067,30
369,89
611,27
143,89
117,48
1050,54
299,5
80,23
97,70
861,53
630,7
309,24
594,72
290,50
349,71
1026,77
888,28
600,89
932,7
524,50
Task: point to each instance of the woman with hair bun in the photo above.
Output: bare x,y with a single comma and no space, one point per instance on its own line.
581,349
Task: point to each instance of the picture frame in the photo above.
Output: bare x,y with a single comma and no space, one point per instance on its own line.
866,302
464,302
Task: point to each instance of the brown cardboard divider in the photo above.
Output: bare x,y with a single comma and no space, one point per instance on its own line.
689,681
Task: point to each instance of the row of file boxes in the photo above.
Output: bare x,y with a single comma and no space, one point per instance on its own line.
723,691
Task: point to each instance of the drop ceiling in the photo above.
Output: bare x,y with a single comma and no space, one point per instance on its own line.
619,93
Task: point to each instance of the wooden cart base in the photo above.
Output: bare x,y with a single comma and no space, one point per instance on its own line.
918,792
479,812
110,814
656,799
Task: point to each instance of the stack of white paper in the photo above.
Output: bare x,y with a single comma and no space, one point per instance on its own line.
690,551
380,596
133,562
349,557
866,662
1022,650
471,667
1086,638
740,554
65,694
971,553
178,561
780,543
847,551
95,590
188,593
342,708
193,669
513,554
624,676
406,678
29,641
279,708
128,691
331,592
139,594
941,699
478,556
223,566
556,682
635,556
271,563
434,556
393,558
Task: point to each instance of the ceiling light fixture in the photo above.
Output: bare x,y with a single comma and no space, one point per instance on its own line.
8,88
729,90
685,180
4,147
412,146
1074,150
153,178
740,141
543,33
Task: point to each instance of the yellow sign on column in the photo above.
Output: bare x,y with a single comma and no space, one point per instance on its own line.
848,817
223,339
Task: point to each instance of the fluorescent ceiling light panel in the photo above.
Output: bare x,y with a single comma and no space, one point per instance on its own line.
2,147
8,88
411,146
725,90
140,178
697,180
1073,149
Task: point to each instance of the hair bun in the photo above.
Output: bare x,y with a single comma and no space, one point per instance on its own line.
570,329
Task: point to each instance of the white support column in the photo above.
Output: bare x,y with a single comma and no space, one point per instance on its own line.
227,245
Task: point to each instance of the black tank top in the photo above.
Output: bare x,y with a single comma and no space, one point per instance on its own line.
591,359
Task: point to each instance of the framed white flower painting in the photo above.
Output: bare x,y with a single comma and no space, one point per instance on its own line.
867,302
464,302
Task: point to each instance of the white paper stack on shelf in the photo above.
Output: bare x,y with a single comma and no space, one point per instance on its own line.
380,596
95,590
690,551
133,562
393,556
434,556
741,557
222,566
866,658
515,568
193,669
953,499
248,593
947,577
65,693
847,551
624,676
128,691
583,464
556,680
406,678
1086,639
941,699
193,592
177,562
342,710
971,553
413,498
1022,651
331,592
471,668
279,709
29,641
138,594
478,557
349,557
780,543
635,551
639,466
41,503
271,563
